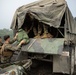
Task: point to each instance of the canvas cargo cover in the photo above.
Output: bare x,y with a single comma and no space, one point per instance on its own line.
49,12
45,46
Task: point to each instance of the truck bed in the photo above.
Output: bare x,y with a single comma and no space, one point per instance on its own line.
46,46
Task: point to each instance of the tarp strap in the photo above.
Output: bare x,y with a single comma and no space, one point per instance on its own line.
60,32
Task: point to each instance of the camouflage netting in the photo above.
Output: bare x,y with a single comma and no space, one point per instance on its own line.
49,12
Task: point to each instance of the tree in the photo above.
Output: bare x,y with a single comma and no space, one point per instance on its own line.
6,32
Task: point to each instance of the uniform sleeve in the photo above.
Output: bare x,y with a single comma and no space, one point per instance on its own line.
0,47
25,37
12,41
12,48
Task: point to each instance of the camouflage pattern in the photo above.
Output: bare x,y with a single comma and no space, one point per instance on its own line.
41,31
49,12
22,35
37,30
16,68
46,33
12,70
1,44
0,48
46,46
7,52
45,27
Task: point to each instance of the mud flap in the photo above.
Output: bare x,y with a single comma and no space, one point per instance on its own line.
61,64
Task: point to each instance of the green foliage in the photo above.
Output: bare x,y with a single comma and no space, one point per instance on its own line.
6,32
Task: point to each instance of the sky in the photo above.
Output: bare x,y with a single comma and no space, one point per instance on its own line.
8,8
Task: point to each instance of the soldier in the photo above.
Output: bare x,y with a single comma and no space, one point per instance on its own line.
46,34
37,26
0,47
7,49
41,26
1,42
22,35
37,29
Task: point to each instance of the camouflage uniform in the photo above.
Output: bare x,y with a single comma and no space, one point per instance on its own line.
7,52
37,29
46,34
45,27
1,44
22,35
0,49
37,33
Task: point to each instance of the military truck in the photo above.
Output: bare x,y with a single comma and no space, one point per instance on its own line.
15,68
51,55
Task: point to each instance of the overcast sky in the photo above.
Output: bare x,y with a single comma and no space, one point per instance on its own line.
8,8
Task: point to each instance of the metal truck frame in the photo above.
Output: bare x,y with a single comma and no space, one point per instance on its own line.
60,50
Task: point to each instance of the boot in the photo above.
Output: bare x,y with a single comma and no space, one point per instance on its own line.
46,35
37,36
50,35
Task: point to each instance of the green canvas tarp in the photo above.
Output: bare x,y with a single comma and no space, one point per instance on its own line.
49,12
